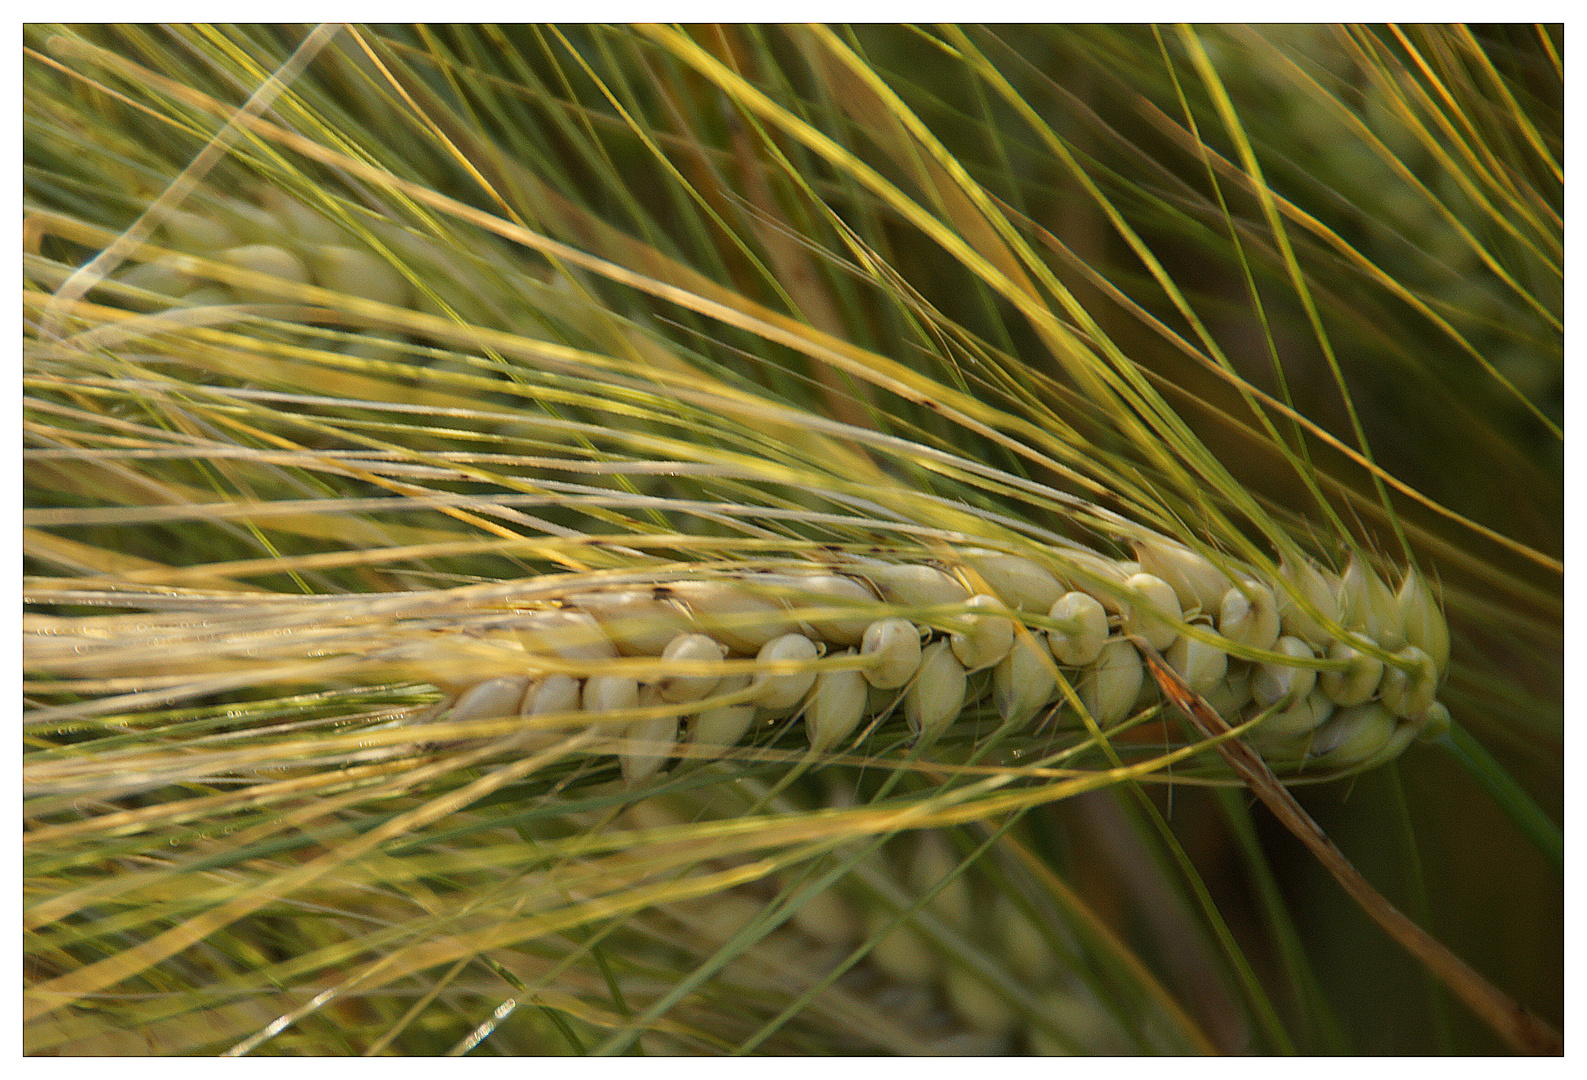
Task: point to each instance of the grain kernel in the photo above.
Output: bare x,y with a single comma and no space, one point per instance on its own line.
490,698
1435,722
1295,722
895,646
1019,583
1201,665
1275,683
915,586
690,687
936,696
1149,616
606,693
1024,680
358,273
1352,736
1112,683
1356,683
1320,590
571,635
1409,694
835,708
1366,604
552,694
1192,575
977,1004
903,954
784,691
1425,626
833,590
264,259
730,612
1248,615
723,725
982,639
638,622
647,744
1081,644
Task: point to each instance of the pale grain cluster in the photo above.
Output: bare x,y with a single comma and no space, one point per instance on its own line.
1338,670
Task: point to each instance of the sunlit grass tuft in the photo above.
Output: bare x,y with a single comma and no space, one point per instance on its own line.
345,345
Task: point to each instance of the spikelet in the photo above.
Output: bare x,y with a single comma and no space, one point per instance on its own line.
828,918
1435,723
739,618
167,275
978,1004
199,233
983,637
1408,691
1352,736
931,862
1024,944
1294,724
1149,616
608,693
901,953
1248,615
1284,684
835,707
781,691
638,622
894,646
1020,583
500,696
1424,623
647,744
269,260
1025,680
552,694
723,725
253,224
915,585
1080,641
1232,694
1202,665
1112,684
358,273
1200,585
1367,604
570,635
1359,679
834,590
692,647
1320,590
937,694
